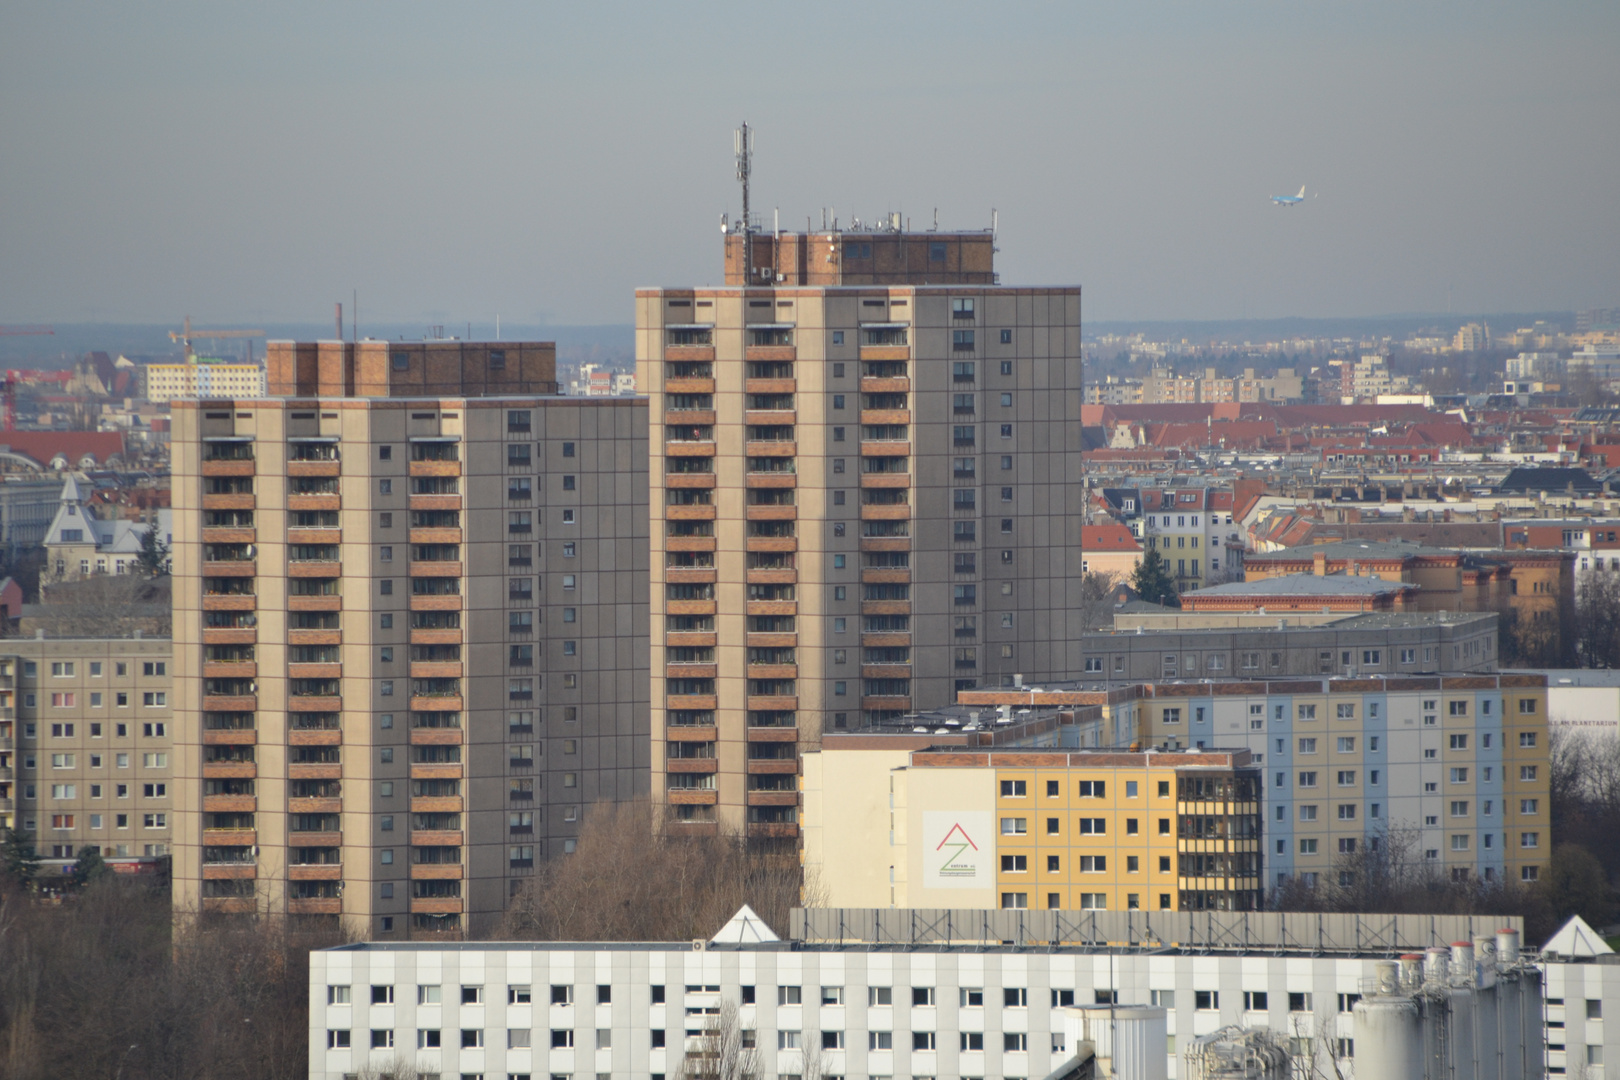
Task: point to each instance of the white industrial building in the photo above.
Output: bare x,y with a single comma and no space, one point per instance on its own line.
923,993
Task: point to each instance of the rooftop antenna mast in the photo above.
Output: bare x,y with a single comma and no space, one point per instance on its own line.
744,140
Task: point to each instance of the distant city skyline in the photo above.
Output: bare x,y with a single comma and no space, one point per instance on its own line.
253,165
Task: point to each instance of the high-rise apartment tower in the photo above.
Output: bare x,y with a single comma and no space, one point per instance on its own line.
410,632
863,459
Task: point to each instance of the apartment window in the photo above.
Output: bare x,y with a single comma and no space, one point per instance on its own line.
1014,826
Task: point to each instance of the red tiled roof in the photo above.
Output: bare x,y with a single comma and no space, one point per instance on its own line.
42,446
1112,537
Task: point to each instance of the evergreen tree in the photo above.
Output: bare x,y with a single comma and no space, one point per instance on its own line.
88,867
1152,580
153,559
19,859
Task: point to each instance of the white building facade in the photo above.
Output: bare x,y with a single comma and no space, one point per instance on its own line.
913,1007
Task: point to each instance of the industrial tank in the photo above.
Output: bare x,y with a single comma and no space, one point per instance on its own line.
1388,1038
1130,1039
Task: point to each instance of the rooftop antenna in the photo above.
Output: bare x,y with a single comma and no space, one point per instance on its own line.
744,143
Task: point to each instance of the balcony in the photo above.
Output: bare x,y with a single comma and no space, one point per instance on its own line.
885,416
447,501
235,500
229,837
773,734
229,872
230,737
773,703
314,536
323,905
317,872
228,468
691,765
694,512
333,602
315,737
886,704
692,638
229,905
890,512
436,872
689,481
437,905
691,385
874,385
690,733
436,838
229,770
789,448
772,640
435,468
689,417
308,502
436,737
689,701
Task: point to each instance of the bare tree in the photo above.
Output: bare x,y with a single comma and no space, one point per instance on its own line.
1097,593
723,1051
104,605
636,877
1597,620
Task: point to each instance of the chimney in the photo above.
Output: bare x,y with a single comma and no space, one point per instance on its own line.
1320,569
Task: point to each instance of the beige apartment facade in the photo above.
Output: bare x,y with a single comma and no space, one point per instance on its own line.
86,749
861,503
410,631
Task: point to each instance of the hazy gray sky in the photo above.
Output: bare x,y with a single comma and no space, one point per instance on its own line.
258,161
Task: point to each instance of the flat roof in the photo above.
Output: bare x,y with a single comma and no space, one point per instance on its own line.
972,930
1308,585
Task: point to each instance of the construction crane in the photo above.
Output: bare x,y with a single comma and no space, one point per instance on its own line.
187,334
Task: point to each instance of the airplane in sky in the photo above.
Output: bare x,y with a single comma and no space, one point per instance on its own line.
1289,200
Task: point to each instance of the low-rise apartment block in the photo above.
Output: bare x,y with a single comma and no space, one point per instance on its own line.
1089,830
1238,787
85,748
202,378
